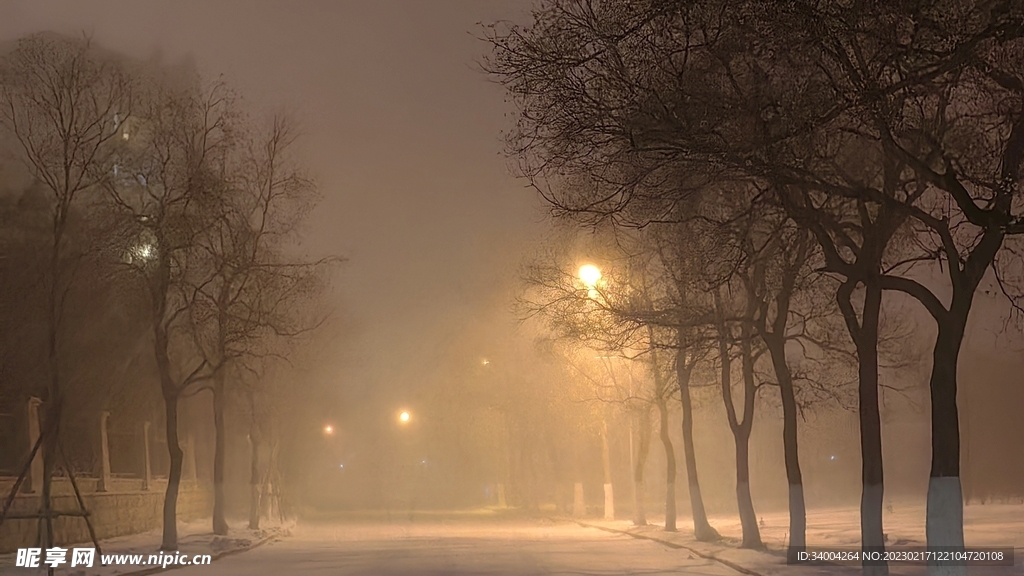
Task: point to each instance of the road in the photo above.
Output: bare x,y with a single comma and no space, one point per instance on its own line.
436,546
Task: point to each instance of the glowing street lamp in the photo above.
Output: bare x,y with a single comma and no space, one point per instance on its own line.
328,430
404,417
590,275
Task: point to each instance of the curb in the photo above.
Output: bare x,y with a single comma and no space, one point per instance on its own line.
276,535
676,546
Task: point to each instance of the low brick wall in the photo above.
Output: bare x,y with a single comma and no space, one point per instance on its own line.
112,514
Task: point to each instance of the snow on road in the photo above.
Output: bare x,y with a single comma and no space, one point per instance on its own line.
453,548
489,543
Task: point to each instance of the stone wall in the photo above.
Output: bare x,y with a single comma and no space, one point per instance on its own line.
115,513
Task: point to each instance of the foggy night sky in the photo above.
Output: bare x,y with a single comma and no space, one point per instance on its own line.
400,130
402,133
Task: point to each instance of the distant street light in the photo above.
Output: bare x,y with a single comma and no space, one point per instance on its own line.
328,430
404,417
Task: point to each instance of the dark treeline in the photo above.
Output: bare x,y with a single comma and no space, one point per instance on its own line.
772,152
148,254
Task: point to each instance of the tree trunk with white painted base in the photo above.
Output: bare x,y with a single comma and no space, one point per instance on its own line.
740,427
643,448
254,478
670,467
702,529
609,495
579,504
945,515
773,334
220,525
609,502
748,518
797,511
863,329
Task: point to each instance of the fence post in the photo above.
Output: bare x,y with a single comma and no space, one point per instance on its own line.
148,478
104,454
35,483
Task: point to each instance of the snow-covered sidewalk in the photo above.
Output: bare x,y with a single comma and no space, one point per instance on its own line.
993,525
194,539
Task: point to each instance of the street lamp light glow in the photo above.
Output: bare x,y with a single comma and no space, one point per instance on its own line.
328,429
404,417
590,275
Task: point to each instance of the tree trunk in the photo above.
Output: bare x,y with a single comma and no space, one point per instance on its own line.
670,468
220,525
254,479
170,394
748,517
740,428
643,447
51,432
579,502
865,337
53,401
945,520
170,516
606,465
944,525
797,512
702,530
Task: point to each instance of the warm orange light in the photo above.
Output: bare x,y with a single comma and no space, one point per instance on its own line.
404,416
590,275
328,429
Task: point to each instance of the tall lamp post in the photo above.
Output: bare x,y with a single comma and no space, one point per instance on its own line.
503,466
590,275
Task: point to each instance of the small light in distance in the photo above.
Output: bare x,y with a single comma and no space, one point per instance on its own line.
328,429
404,416
341,465
485,362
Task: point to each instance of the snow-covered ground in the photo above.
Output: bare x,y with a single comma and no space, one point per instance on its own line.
991,525
194,538
491,542
459,546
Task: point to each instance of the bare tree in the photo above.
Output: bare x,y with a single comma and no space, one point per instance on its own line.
171,187
249,296
644,306
62,100
858,119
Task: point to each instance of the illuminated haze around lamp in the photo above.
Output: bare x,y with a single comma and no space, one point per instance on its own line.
590,275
